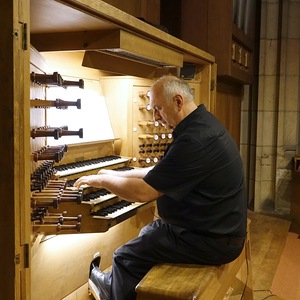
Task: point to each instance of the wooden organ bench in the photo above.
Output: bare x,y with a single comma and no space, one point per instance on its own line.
189,281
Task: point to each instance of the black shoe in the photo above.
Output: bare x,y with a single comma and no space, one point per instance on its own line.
95,263
96,284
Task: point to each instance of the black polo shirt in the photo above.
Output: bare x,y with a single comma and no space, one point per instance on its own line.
201,178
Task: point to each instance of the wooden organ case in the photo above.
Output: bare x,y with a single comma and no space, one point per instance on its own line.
57,209
71,44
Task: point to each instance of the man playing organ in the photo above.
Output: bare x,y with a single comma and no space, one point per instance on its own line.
199,187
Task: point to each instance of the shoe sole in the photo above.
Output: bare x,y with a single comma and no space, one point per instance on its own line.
93,290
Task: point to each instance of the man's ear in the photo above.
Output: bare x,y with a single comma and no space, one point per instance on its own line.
179,101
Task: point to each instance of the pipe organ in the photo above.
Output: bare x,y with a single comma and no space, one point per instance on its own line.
59,229
59,166
52,192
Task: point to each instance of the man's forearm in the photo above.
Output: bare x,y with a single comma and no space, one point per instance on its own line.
131,189
134,173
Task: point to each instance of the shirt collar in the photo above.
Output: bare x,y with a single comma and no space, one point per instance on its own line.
186,121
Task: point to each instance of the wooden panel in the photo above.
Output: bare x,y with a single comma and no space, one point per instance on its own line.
52,16
170,18
222,35
118,41
193,11
150,10
14,159
7,176
100,11
228,108
21,153
132,7
6,163
147,9
117,66
209,25
219,28
60,256
206,91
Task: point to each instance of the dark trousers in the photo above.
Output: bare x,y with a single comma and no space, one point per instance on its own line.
159,242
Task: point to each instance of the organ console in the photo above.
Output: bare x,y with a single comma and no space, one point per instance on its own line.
58,207
40,266
88,220
99,209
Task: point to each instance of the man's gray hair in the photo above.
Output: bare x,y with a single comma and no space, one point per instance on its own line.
172,86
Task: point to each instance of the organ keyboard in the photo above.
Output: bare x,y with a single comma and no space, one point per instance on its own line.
120,210
96,216
98,196
88,165
99,209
